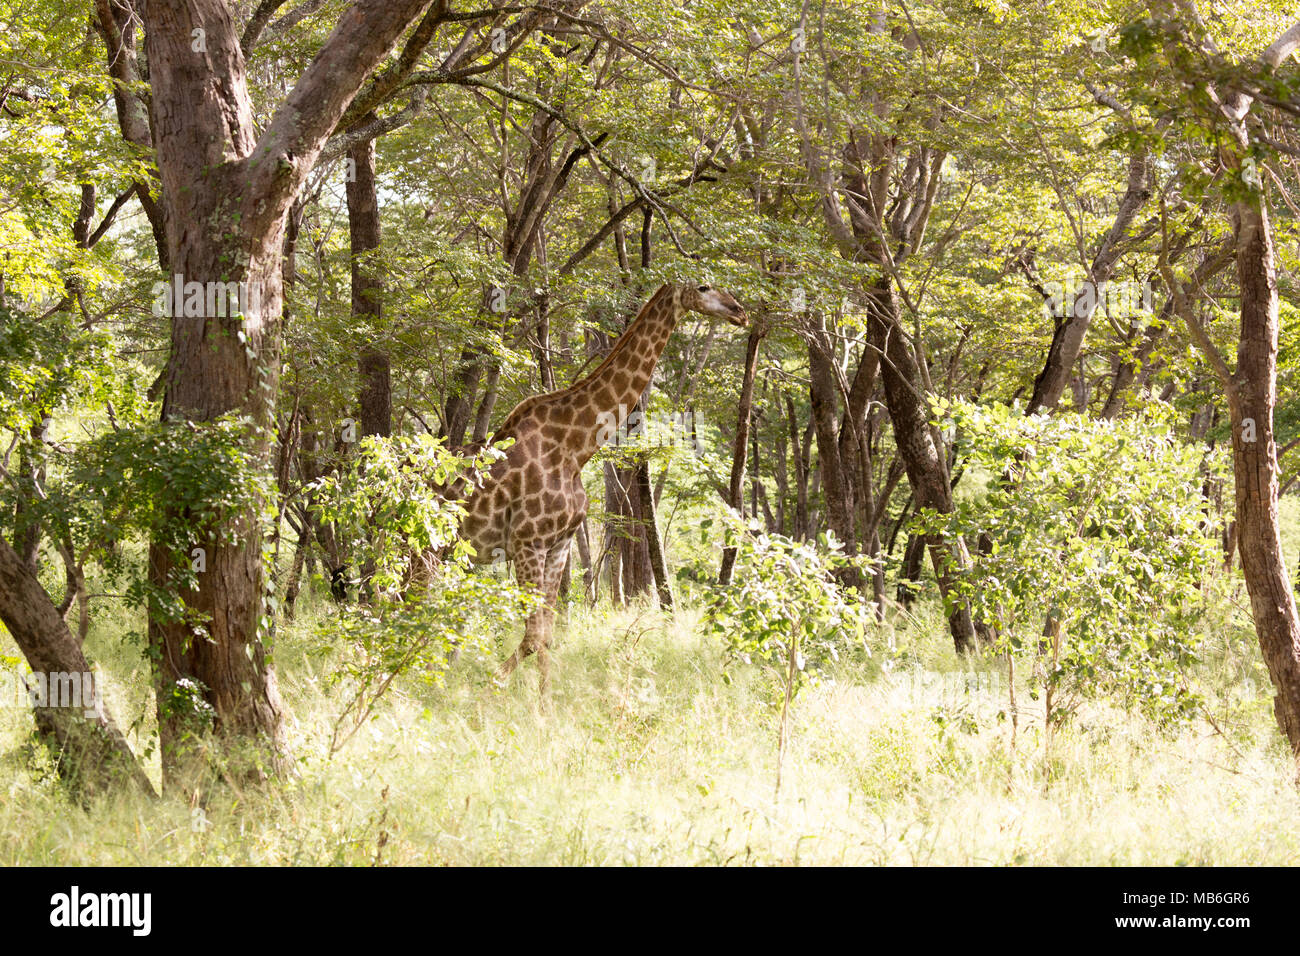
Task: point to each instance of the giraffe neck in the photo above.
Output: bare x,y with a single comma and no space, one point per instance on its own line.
614,388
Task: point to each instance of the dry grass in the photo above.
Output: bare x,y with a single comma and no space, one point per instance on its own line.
650,758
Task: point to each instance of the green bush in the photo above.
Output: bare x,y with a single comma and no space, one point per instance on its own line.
1097,545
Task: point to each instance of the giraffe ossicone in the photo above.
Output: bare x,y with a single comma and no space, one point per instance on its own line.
533,502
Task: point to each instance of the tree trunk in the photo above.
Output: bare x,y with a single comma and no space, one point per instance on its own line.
460,398
1255,467
836,489
588,568
800,459
927,472
638,575
295,569
92,754
1067,340
909,574
739,446
658,562
368,289
226,193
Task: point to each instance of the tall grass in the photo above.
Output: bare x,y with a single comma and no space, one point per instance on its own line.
903,756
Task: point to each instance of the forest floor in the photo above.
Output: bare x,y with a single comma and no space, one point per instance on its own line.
903,756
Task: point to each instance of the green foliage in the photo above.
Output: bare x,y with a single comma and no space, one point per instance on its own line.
384,639
185,486
400,501
50,364
784,607
1100,527
399,497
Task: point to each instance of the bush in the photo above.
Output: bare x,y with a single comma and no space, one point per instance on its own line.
784,608
1098,529
400,500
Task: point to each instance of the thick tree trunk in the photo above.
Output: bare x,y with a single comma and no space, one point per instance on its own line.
927,472
92,754
374,370
1255,467
227,191
368,289
634,543
855,455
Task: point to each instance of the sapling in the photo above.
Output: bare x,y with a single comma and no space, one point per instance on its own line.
785,609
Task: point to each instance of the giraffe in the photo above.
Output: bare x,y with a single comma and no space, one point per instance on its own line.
533,502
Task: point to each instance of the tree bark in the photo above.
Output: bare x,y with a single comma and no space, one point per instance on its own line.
92,754
799,457
909,574
1255,467
1252,397
226,193
373,365
836,487
115,21
927,472
658,561
739,446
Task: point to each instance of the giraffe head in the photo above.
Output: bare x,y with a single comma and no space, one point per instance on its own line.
713,302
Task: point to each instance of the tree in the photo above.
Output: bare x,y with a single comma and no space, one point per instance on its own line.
226,193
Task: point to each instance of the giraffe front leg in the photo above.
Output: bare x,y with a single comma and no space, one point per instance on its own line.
556,558
535,628
530,570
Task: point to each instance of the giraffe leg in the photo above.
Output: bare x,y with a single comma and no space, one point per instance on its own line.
530,569
556,559
542,568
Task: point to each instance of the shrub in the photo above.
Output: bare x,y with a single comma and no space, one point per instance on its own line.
1098,529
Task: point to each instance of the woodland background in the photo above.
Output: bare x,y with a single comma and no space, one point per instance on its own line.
978,546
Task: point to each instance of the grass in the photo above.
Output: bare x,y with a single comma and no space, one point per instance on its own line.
903,757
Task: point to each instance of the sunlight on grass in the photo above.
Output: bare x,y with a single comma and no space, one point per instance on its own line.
649,757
